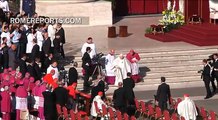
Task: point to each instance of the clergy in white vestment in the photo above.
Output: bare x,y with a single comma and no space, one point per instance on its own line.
187,108
89,43
53,66
99,102
121,68
51,34
4,5
39,37
30,37
109,59
6,34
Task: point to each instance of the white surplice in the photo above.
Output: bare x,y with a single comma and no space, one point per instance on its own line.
51,33
100,102
187,109
40,39
121,68
109,59
29,45
92,46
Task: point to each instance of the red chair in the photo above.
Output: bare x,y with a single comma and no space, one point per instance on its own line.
66,115
166,115
150,113
104,111
158,112
125,116
172,101
138,109
78,116
132,118
111,113
59,111
176,104
212,116
174,116
203,113
119,115
143,108
182,118
86,117
97,109
72,115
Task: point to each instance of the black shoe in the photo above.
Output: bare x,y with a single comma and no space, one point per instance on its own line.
207,97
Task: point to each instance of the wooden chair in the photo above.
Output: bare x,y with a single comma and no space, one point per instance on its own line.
203,113
133,118
143,109
72,115
125,116
104,112
97,109
166,115
137,104
213,116
151,113
59,111
65,113
174,116
119,115
158,113
111,113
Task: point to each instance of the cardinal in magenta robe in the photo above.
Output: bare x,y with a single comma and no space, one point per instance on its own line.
21,100
26,80
31,84
134,58
5,103
42,88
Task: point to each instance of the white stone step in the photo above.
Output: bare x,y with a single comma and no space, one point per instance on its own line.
171,74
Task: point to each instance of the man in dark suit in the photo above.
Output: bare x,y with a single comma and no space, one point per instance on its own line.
206,76
50,112
35,50
47,62
163,94
60,38
128,85
38,71
31,70
61,94
22,64
46,46
119,98
215,68
86,65
73,74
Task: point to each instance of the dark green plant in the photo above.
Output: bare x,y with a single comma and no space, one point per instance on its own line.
148,30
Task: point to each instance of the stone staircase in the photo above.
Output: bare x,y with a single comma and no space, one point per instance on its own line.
177,65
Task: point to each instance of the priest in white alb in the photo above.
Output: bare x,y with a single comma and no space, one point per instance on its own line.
187,108
121,68
109,59
89,43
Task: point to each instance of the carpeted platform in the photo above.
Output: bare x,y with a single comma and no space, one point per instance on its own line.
201,35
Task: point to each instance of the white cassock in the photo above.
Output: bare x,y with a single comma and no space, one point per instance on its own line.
51,34
109,59
187,109
56,75
92,46
7,35
4,5
135,67
100,102
29,45
121,68
40,39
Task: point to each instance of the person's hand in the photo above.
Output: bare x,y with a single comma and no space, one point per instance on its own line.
61,44
57,36
87,64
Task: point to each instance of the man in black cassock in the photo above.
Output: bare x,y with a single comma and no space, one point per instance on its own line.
46,47
47,62
50,112
206,75
61,95
119,98
128,85
59,40
35,50
22,64
73,74
86,65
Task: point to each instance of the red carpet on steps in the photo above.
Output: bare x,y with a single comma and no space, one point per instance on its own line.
201,35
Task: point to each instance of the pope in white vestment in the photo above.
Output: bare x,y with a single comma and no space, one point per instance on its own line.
187,108
121,68
90,44
109,59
